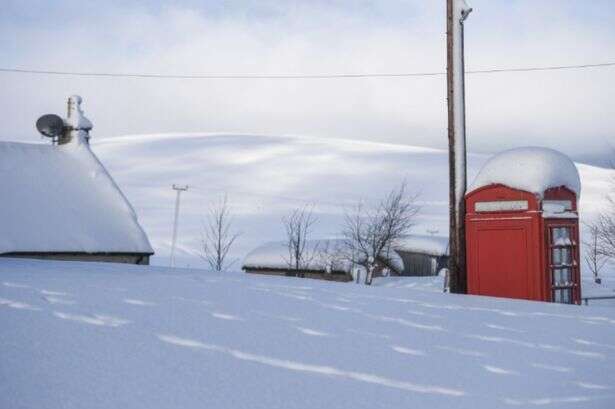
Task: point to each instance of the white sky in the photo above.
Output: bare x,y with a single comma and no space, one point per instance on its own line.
569,110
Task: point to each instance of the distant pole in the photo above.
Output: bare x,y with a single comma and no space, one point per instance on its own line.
179,189
456,12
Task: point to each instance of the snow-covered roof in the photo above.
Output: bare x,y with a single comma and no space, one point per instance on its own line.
269,255
61,199
533,169
425,244
318,253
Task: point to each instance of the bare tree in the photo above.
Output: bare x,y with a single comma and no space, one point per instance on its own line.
218,236
594,253
330,255
600,248
369,233
605,225
298,226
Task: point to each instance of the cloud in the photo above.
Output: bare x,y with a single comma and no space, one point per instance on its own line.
570,110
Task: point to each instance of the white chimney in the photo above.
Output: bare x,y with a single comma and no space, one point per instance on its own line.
77,125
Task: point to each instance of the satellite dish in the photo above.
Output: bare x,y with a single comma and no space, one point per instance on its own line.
50,125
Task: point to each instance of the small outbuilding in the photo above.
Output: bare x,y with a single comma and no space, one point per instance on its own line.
422,255
59,202
522,227
322,260
413,255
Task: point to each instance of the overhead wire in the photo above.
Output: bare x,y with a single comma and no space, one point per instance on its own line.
297,76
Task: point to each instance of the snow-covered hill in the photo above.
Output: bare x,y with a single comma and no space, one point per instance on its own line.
266,176
87,335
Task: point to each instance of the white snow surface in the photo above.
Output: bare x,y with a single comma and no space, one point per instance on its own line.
61,198
533,169
195,339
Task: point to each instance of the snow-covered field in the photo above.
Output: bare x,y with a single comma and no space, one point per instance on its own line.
265,177
77,335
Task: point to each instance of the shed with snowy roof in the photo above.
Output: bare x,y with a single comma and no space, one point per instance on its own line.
412,255
59,202
422,255
522,230
321,259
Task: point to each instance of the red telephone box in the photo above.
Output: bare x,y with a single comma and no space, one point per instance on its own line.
524,243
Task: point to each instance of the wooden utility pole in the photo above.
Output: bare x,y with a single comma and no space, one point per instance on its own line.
456,12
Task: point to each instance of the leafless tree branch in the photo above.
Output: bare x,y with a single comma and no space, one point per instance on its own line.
594,254
369,233
330,255
298,226
218,236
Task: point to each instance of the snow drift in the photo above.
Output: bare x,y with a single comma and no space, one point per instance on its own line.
93,335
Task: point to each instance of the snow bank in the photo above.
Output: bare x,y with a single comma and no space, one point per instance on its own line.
533,169
266,176
61,199
268,173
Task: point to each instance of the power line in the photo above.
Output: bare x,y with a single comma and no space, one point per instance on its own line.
297,76
546,68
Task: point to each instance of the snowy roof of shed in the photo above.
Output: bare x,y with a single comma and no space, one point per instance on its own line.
532,169
425,244
275,255
61,199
